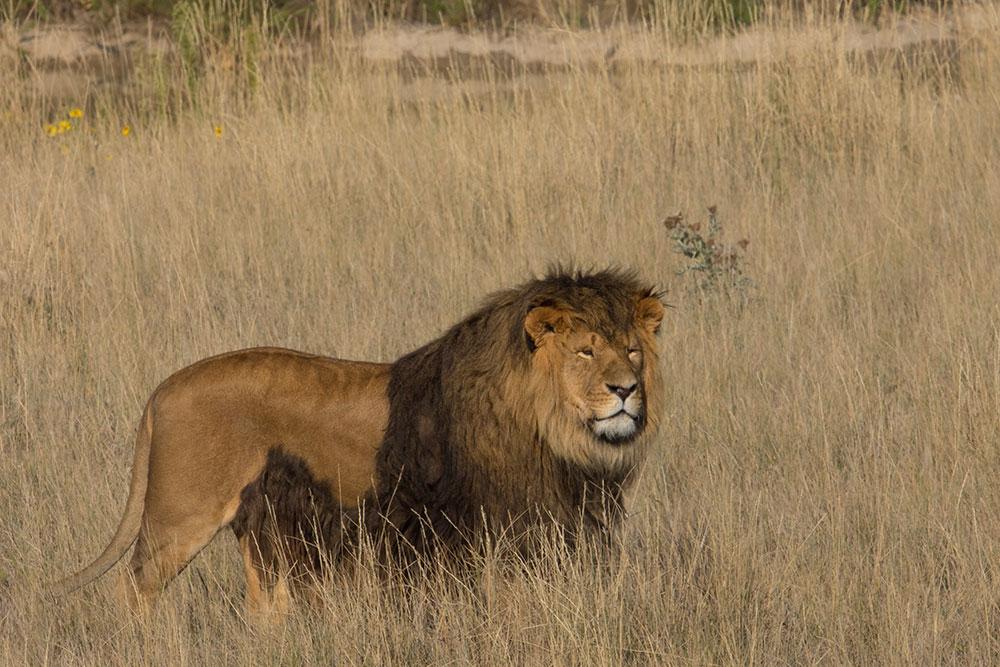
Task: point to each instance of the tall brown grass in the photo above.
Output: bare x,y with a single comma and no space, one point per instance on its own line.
827,486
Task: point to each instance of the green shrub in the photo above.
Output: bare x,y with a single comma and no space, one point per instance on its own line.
716,266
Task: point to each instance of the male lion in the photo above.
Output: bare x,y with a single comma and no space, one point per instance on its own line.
534,411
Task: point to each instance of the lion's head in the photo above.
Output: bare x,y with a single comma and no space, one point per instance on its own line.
593,365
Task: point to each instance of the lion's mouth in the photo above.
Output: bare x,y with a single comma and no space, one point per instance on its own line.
621,412
617,429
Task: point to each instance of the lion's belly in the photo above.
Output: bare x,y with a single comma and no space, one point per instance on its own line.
342,462
292,517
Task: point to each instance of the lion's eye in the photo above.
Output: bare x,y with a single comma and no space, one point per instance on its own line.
634,352
586,353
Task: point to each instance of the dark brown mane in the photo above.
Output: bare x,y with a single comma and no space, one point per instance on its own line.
604,300
456,459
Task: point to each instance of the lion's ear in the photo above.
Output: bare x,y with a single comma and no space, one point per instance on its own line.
543,320
649,313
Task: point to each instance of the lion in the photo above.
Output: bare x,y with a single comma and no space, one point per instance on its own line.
536,410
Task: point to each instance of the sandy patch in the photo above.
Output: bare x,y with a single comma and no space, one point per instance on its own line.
559,47
65,61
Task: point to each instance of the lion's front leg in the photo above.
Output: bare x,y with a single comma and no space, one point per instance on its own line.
268,596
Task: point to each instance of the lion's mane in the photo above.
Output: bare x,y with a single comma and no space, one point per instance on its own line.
476,441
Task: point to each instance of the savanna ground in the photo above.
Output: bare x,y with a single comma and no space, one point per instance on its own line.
827,483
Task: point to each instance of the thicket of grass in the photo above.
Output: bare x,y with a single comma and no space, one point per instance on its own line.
715,13
825,489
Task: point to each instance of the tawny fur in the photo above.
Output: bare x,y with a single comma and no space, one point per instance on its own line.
490,428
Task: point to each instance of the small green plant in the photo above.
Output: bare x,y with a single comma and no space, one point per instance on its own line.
184,28
716,266
222,38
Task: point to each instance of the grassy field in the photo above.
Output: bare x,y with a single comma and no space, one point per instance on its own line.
827,485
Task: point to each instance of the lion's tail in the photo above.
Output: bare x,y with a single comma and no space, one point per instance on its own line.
128,527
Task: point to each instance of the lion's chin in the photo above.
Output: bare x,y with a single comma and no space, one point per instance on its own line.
619,429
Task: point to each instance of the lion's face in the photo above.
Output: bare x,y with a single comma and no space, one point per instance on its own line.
601,381
594,381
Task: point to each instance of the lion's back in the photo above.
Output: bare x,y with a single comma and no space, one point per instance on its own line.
241,406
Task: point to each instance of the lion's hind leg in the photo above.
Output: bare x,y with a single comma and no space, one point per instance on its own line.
161,552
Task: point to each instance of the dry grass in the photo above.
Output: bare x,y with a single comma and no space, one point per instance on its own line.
827,485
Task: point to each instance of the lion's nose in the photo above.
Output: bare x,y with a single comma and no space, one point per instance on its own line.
621,391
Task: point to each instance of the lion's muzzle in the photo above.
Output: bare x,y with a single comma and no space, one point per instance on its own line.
623,421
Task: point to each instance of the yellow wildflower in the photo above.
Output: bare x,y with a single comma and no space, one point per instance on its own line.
65,126
126,130
76,112
218,131
51,130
